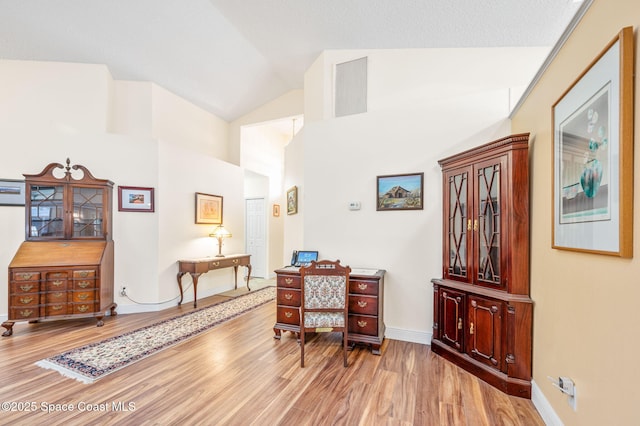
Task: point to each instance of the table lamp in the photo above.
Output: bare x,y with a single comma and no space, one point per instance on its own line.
219,233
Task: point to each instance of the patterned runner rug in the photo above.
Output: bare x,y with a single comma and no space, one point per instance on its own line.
94,361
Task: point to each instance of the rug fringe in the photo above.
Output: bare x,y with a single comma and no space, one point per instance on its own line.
65,372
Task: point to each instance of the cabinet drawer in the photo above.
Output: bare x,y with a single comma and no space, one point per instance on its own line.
56,284
24,313
363,287
82,308
24,300
56,297
363,325
90,273
26,276
289,297
83,296
24,287
288,315
367,305
288,281
56,309
84,284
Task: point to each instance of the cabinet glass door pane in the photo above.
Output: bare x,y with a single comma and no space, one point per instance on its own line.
46,218
87,212
458,224
488,181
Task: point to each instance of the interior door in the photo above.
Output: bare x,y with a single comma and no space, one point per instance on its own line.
256,235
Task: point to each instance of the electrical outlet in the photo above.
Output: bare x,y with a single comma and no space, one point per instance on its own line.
123,291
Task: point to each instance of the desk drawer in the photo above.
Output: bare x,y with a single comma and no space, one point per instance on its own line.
363,287
288,315
56,309
289,281
25,313
56,297
366,305
363,325
84,296
25,287
83,308
289,297
26,276
25,300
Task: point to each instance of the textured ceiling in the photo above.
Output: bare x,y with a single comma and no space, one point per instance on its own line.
231,56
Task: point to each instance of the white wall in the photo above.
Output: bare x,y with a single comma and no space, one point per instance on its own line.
51,111
423,105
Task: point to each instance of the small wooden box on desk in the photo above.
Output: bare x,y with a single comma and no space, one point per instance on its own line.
366,300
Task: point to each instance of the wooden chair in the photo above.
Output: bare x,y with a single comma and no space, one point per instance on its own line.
324,303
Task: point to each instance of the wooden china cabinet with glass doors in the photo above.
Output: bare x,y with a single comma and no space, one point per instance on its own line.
64,269
482,309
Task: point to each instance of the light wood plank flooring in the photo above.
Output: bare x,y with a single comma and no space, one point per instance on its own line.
238,374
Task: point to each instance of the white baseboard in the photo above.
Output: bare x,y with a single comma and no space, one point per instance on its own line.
544,408
412,336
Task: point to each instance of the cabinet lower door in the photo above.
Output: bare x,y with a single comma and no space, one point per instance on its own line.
484,324
452,317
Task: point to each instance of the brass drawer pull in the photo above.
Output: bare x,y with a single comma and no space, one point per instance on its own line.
58,295
362,303
26,313
26,300
26,287
83,296
362,323
83,274
26,275
57,307
288,314
362,286
84,284
215,264
83,308
57,283
288,280
288,296
235,261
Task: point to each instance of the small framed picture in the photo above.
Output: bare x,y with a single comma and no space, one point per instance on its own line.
208,209
276,210
400,192
135,199
292,200
11,192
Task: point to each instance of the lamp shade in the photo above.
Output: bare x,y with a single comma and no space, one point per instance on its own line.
220,232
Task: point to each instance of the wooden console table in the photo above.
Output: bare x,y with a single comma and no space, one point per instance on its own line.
197,267
366,294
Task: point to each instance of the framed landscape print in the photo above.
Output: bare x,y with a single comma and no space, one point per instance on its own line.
400,192
135,199
11,192
208,209
593,155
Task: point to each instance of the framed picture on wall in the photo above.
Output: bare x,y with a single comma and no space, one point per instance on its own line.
135,199
592,189
208,209
11,192
292,200
400,192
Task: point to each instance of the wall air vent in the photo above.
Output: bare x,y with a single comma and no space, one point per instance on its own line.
351,87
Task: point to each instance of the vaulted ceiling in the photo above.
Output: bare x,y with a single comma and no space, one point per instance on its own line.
231,56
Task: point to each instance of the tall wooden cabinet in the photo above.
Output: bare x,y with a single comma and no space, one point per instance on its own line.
64,269
482,309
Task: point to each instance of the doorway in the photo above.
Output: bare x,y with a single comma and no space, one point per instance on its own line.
256,236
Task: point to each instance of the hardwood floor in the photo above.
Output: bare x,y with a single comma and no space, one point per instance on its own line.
238,374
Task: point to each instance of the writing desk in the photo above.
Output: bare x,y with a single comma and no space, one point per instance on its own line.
366,294
197,267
